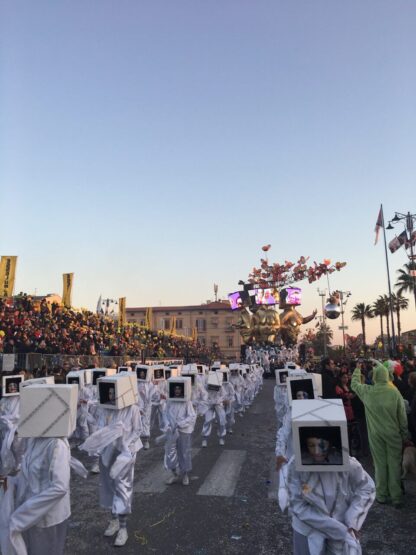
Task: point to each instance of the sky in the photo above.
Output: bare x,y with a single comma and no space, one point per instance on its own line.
152,148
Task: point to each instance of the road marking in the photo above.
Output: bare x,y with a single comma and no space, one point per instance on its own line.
222,479
154,481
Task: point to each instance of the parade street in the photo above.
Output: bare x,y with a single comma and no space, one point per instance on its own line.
230,506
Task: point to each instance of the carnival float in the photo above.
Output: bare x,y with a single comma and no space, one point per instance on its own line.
270,287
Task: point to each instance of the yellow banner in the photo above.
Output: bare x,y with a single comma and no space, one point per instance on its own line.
173,326
66,296
122,312
149,317
7,275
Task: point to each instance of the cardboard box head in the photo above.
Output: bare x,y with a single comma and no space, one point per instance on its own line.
282,376
188,369
10,385
179,389
225,375
301,388
143,373
176,369
320,437
124,369
117,392
202,369
215,379
76,377
46,380
158,373
48,410
102,373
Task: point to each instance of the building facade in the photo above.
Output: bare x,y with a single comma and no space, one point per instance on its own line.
210,323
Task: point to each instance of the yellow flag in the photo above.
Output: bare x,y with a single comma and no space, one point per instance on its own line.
149,314
173,325
66,296
122,312
194,334
7,275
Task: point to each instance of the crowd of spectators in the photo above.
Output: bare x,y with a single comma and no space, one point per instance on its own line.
29,326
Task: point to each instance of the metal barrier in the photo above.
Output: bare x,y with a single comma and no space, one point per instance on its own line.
37,361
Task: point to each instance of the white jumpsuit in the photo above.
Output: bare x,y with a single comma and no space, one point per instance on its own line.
180,418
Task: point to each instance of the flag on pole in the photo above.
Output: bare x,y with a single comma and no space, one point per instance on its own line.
99,307
7,275
173,325
68,280
398,241
122,312
148,318
379,224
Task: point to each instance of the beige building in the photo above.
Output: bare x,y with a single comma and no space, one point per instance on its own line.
211,323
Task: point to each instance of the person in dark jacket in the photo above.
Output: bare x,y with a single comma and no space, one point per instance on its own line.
329,379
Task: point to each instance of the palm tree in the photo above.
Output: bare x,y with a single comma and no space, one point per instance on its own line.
399,303
406,282
379,309
361,311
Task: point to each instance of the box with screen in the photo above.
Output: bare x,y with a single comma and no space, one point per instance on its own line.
48,410
46,380
189,369
75,377
102,373
266,297
180,389
202,369
117,392
282,376
225,375
11,385
124,369
301,388
236,300
290,296
176,369
158,373
143,373
320,436
215,379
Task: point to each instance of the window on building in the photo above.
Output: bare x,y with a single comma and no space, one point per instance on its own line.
230,341
201,324
214,323
142,322
179,324
165,324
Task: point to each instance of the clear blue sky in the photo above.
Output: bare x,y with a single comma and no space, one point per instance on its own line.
152,147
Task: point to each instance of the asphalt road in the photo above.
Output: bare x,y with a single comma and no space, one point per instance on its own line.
229,507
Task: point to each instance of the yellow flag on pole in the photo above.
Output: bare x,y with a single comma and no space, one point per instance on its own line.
66,296
149,315
122,312
173,325
7,275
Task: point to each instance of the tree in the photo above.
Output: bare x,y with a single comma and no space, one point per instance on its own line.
361,311
380,309
323,332
406,282
399,303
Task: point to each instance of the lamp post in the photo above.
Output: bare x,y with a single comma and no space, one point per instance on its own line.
409,223
322,294
343,327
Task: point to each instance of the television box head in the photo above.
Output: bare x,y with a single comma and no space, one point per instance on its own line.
46,380
47,410
290,296
102,373
301,388
318,383
11,385
191,371
225,375
215,379
320,436
243,369
158,373
170,372
282,376
117,392
143,373
179,389
124,369
176,369
87,376
202,369
76,377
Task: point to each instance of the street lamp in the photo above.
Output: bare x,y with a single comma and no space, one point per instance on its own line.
343,327
322,294
409,221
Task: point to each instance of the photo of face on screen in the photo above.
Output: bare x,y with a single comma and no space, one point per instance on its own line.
321,445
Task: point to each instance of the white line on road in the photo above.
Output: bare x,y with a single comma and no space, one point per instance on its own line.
222,479
154,481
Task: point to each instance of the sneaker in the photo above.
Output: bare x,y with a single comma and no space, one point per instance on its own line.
230,432
222,442
173,479
185,480
95,469
204,443
121,537
112,528
146,444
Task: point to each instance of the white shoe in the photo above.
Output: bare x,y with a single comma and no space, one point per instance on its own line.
185,480
204,443
95,469
230,432
174,479
222,442
121,537
146,445
112,528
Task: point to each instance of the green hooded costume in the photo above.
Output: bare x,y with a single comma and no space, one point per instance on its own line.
387,428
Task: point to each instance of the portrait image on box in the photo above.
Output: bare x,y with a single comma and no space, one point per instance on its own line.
143,373
11,385
282,376
180,389
97,374
168,373
48,410
158,374
321,445
177,391
301,388
118,392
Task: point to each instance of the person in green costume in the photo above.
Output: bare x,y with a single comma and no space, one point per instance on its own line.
387,429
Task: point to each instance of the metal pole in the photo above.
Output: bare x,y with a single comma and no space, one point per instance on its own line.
323,295
392,347
409,226
342,320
